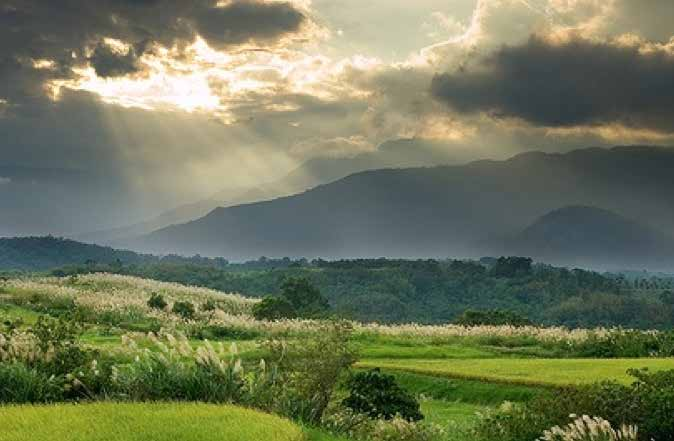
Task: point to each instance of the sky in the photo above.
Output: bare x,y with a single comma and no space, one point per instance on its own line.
113,110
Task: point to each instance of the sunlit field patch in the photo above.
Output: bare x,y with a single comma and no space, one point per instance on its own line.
142,422
545,372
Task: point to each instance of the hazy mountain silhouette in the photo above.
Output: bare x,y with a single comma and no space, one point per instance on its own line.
437,211
402,152
590,236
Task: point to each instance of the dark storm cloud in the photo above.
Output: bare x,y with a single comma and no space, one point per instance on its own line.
575,83
235,22
65,32
109,63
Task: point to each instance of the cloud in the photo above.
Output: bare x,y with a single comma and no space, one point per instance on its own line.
108,62
244,20
576,82
66,36
5,181
339,147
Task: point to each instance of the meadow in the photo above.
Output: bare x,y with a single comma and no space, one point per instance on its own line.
214,351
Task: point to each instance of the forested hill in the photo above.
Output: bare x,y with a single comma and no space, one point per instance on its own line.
48,252
437,291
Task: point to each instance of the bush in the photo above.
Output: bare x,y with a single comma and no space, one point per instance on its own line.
345,422
156,301
21,384
310,368
379,396
626,344
184,309
209,305
274,308
648,404
218,332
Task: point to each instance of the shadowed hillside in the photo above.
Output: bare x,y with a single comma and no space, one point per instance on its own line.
438,211
589,236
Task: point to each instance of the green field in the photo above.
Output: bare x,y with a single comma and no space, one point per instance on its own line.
537,372
142,422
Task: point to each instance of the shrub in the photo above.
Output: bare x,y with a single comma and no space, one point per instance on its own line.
399,429
648,404
310,368
21,384
626,344
209,305
184,310
156,301
59,339
201,331
345,422
274,308
379,396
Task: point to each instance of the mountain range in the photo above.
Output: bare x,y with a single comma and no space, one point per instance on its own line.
316,171
457,210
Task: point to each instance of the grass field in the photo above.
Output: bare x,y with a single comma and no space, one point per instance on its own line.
543,372
441,412
143,422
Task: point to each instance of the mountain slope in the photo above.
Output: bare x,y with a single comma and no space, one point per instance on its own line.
438,211
580,235
39,253
402,152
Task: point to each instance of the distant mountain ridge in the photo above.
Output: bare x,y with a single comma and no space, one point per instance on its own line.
316,171
581,236
434,211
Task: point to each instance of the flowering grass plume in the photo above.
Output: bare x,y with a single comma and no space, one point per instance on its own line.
587,428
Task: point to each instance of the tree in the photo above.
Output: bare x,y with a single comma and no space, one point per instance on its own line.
512,267
379,396
305,298
274,308
667,297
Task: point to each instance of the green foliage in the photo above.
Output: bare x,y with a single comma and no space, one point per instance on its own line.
510,267
304,297
157,301
378,395
492,317
184,309
433,291
209,305
311,367
465,391
355,426
201,331
21,384
667,297
647,403
60,337
626,344
274,308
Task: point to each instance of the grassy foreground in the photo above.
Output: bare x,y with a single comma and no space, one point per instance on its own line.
529,371
142,422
